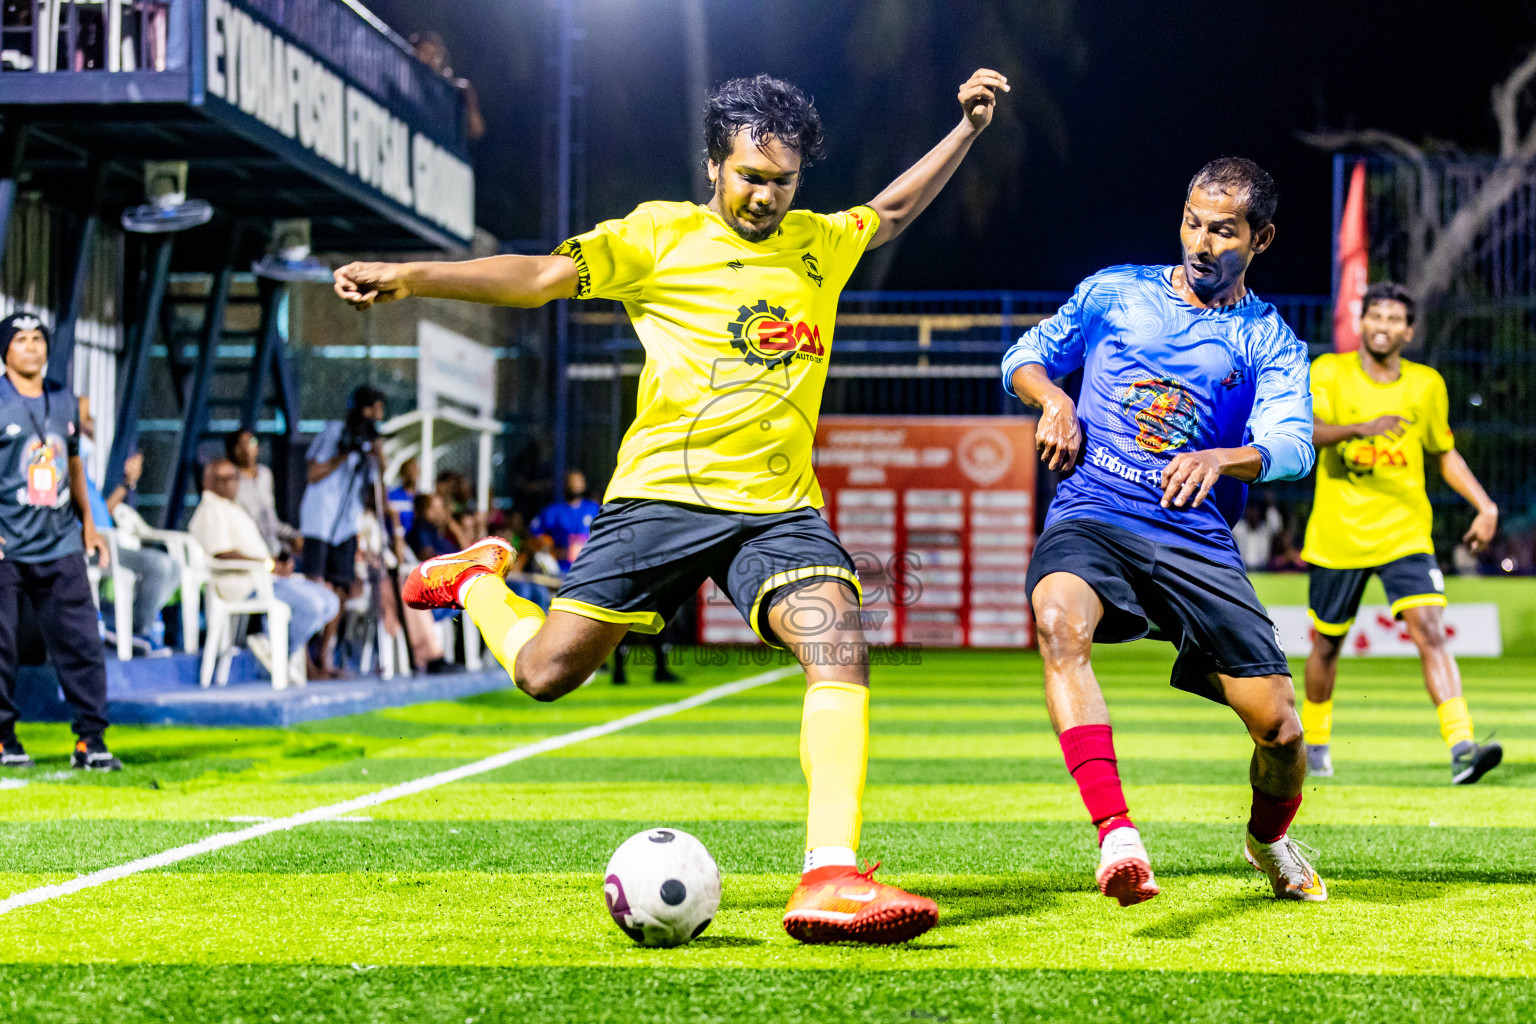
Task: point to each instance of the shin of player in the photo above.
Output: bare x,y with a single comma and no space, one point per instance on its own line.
1378,419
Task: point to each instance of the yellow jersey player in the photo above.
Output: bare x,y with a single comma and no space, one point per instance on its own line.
1379,417
734,302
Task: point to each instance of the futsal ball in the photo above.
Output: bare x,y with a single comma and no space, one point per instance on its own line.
662,887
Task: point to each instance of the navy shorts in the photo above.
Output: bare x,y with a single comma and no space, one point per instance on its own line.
1333,595
646,558
1205,608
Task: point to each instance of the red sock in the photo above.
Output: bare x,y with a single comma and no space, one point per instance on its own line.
1271,816
1089,751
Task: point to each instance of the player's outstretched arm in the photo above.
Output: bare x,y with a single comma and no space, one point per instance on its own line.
910,194
1058,436
494,281
1458,474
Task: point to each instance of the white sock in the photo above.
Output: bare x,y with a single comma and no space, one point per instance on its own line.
464,587
826,856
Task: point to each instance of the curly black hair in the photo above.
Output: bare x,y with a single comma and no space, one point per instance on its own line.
1244,178
765,107
1389,291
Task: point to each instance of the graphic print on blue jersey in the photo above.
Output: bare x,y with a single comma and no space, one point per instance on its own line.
1165,412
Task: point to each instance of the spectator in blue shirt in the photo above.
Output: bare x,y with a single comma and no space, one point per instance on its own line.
567,523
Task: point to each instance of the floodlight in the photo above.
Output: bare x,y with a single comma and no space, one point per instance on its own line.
168,209
288,257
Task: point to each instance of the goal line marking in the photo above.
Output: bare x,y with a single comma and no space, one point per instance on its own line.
220,840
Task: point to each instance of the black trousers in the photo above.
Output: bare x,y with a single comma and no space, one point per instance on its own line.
61,593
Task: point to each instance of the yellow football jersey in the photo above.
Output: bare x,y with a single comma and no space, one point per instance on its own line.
1371,506
736,335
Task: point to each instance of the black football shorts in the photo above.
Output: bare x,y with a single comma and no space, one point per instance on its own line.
645,558
1333,595
1207,609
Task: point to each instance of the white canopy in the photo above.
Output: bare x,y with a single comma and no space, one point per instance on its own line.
424,434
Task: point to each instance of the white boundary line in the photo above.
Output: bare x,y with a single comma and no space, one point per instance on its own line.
220,840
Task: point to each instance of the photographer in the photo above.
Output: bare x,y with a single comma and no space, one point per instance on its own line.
342,461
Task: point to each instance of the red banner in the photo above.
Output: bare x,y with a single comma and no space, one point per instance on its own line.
1354,265
938,513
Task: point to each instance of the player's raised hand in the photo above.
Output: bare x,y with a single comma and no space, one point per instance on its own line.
1058,436
978,96
364,284
1189,477
1480,534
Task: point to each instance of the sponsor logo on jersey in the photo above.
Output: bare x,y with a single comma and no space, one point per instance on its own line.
812,269
1165,412
1363,456
766,336
735,264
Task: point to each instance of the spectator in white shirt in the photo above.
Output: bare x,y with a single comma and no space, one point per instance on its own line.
256,494
225,530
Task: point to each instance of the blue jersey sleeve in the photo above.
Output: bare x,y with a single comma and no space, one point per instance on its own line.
1055,343
1281,421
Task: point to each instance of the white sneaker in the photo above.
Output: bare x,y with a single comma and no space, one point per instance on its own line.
1125,872
1290,875
298,668
1319,762
261,647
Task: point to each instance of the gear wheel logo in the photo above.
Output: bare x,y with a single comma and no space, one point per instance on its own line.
745,336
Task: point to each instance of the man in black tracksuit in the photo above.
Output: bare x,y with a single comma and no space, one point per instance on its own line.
46,533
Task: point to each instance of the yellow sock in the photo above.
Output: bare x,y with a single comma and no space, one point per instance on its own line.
834,752
506,621
1316,721
1455,721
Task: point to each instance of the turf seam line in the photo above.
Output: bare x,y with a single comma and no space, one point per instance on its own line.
221,840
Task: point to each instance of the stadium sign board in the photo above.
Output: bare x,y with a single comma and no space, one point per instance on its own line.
345,110
1471,631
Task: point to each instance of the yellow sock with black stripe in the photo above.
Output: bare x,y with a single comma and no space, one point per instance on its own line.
1317,721
1455,721
506,621
834,752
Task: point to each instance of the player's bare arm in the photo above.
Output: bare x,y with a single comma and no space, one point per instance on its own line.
1058,435
526,281
910,194
1189,476
1325,434
1458,474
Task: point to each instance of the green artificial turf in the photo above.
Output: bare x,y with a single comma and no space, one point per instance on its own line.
481,900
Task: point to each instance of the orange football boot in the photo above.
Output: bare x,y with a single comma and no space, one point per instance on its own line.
841,904
435,583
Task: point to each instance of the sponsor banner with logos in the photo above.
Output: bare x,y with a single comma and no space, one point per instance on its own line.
938,513
1471,630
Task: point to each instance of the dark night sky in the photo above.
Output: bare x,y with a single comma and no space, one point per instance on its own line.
1158,89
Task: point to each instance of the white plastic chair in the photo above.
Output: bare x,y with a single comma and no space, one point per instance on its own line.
219,647
193,563
123,583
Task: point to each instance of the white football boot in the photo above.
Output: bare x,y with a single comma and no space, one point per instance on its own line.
1319,761
1125,872
1290,875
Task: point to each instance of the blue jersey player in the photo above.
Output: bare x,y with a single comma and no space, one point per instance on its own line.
1192,389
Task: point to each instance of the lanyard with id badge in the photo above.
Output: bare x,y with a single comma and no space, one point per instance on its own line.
42,460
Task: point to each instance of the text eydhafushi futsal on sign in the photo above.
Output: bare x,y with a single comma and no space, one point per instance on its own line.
258,70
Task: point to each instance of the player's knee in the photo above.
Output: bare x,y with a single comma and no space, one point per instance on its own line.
546,681
1275,726
1062,633
1428,633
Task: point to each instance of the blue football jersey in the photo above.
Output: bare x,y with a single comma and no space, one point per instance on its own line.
1162,377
